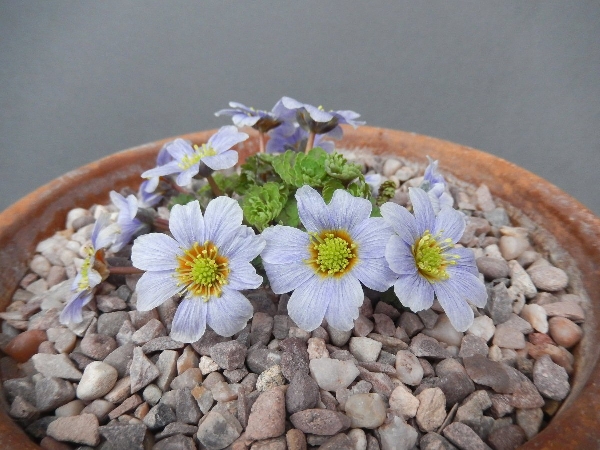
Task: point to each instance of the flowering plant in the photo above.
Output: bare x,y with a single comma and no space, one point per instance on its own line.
296,216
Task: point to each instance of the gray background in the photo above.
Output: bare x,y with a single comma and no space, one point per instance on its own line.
519,79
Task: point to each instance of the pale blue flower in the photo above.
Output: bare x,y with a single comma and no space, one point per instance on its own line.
147,195
423,254
279,142
319,121
126,220
279,117
90,274
325,266
435,186
207,262
374,180
188,159
150,185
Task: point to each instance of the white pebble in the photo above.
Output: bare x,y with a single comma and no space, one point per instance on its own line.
536,316
97,380
409,368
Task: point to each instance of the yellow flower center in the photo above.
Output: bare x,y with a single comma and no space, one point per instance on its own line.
199,152
430,256
84,282
202,270
332,253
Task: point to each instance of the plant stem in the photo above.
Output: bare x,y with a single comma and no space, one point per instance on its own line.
124,270
161,224
261,141
175,186
310,142
213,185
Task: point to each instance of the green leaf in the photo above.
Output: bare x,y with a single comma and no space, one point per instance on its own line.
289,214
262,204
181,199
299,169
227,183
387,190
330,187
338,167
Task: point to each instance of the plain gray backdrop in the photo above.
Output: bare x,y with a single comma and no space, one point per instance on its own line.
519,79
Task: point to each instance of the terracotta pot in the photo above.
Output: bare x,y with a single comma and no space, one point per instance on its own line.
567,230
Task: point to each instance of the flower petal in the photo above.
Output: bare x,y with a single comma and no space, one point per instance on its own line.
225,160
189,323
72,312
453,301
167,169
374,273
312,209
450,223
187,224
287,277
423,210
308,303
243,276
346,297
401,221
347,211
155,251
398,255
228,313
154,288
185,177
465,261
371,236
470,286
285,245
179,149
414,292
222,217
226,137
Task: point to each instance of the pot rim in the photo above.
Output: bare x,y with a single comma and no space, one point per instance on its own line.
575,228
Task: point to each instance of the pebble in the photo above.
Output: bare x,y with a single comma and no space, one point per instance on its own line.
124,436
365,349
261,328
427,347
388,343
509,337
338,337
337,442
190,379
187,409
366,410
120,391
59,366
97,346
159,416
64,339
411,323
483,327
488,373
548,278
267,416
82,429
270,378
50,393
484,198
520,280
207,365
492,268
464,437
72,408
403,402
551,379
332,374
98,379
358,439
24,345
432,409
564,331
317,348
506,438
384,325
320,421
167,368
408,368
536,316
511,247
295,439
443,331
472,345
110,303
567,309
229,355
121,359
142,371
218,429
394,435
390,167
40,265
302,393
530,420
129,404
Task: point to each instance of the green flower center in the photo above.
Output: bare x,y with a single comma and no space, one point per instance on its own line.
202,270
431,257
333,252
199,152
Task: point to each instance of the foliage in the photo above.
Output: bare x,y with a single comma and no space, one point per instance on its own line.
262,204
